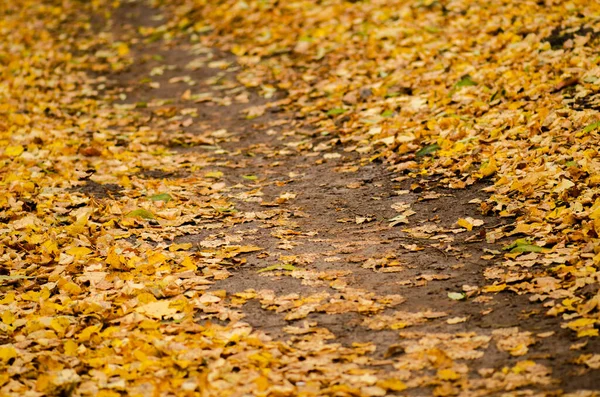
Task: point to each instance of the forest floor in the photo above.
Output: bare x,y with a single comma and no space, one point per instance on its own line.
190,234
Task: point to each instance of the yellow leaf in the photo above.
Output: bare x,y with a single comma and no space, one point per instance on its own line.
75,229
122,49
448,374
70,348
495,288
8,298
123,235
591,360
595,210
79,252
32,296
489,168
157,309
43,382
7,352
465,223
140,355
156,259
214,174
188,263
19,119
13,151
563,185
107,393
125,182
113,260
518,350
87,333
71,288
581,322
392,384
398,325
522,366
51,247
145,297
587,332
262,383
8,317
149,324
108,332
180,247
60,325
248,248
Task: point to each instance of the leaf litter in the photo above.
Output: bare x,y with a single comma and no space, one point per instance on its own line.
120,290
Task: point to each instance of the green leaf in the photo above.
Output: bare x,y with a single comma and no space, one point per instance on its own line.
162,197
214,174
519,241
250,177
465,81
387,113
141,213
224,210
335,111
427,150
457,296
278,267
591,127
523,245
528,248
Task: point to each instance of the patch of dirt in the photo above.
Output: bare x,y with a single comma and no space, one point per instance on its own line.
158,174
588,101
559,36
98,190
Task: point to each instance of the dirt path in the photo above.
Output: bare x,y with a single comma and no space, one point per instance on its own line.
173,224
410,296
